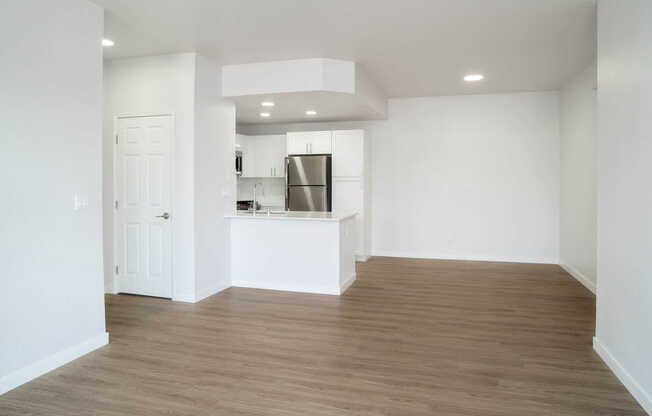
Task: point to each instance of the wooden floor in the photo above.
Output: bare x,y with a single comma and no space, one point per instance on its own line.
411,337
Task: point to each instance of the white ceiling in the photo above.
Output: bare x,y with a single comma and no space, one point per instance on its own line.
409,47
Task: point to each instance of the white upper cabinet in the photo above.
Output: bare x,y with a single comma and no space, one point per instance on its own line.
321,143
248,155
309,143
270,156
280,151
297,144
263,165
348,153
263,156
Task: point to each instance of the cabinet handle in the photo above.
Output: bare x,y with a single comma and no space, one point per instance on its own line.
307,148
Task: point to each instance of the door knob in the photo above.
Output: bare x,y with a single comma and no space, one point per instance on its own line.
165,216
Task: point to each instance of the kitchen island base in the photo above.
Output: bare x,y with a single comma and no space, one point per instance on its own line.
312,253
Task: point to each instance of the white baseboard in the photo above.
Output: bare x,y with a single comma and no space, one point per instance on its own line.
185,297
434,256
112,287
110,291
579,277
345,286
362,258
210,291
288,288
643,398
47,364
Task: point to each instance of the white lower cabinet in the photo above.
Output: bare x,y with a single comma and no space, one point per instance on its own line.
348,196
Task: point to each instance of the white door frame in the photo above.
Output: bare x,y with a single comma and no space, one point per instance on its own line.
173,139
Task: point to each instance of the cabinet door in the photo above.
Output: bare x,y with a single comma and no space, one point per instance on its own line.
348,153
309,142
248,156
320,142
261,152
278,149
270,156
347,198
297,143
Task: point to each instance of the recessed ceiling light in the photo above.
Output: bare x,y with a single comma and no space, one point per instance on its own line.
473,77
107,42
267,103
265,114
311,113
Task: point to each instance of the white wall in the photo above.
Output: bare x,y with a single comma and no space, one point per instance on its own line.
579,177
270,194
468,177
187,85
624,303
297,75
463,177
51,297
215,180
155,85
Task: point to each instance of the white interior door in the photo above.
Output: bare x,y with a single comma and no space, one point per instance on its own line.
143,233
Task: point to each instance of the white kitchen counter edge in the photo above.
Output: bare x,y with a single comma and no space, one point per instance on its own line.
294,216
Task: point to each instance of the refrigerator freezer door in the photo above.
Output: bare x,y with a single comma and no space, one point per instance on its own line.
308,198
307,170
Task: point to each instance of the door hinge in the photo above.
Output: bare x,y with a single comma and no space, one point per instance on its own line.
116,204
116,139
117,269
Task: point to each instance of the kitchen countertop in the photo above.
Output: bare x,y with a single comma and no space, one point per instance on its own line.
293,216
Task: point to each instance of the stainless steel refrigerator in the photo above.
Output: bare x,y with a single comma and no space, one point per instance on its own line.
308,183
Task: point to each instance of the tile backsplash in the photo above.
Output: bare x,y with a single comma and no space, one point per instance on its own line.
271,193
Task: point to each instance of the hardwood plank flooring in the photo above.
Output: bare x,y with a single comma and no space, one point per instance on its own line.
411,337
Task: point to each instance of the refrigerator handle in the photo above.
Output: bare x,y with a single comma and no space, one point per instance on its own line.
287,184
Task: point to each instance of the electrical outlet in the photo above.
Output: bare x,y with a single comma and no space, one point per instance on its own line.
79,202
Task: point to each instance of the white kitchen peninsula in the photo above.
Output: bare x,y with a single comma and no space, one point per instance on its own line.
310,252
